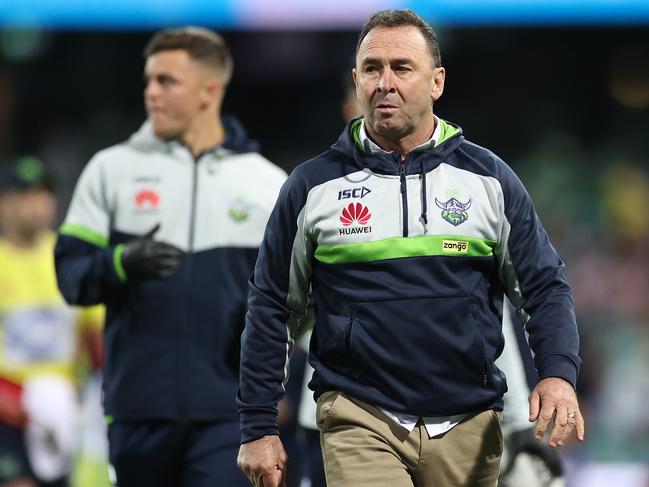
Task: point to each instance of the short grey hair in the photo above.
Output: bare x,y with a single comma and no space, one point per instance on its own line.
399,18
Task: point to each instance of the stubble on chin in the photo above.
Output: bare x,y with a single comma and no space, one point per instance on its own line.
390,128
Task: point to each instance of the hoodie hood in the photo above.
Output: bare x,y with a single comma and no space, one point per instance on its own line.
236,137
428,158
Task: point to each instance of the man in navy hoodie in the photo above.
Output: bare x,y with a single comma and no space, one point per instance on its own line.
165,229
407,236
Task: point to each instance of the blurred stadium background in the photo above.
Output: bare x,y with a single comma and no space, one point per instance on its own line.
558,88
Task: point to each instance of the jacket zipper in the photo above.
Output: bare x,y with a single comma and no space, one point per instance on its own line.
192,215
349,343
404,197
484,378
484,364
187,274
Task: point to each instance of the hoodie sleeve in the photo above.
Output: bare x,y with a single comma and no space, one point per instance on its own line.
277,304
535,281
87,267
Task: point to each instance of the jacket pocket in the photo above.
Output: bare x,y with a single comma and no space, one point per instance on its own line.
419,351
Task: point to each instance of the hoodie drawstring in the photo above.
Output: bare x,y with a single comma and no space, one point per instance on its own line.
424,202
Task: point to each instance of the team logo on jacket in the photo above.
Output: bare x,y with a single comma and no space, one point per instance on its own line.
239,210
147,198
355,213
453,211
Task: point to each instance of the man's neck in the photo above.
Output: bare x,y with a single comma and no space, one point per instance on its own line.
205,134
407,143
23,241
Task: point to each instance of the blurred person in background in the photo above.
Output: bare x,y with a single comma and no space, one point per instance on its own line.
414,405
525,460
165,230
40,336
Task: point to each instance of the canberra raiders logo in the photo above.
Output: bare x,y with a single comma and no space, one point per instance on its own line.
453,211
239,210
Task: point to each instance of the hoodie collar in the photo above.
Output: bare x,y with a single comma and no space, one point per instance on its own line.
236,138
428,155
372,147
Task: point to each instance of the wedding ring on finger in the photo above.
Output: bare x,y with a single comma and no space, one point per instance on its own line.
572,415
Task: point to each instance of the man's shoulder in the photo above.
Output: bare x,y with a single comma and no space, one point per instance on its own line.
116,152
257,166
125,155
328,165
478,159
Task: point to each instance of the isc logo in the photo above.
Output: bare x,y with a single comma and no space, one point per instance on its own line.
455,247
353,193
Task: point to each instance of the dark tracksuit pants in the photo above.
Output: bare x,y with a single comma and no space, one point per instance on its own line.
175,454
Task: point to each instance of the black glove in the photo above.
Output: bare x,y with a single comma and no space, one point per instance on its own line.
545,461
144,258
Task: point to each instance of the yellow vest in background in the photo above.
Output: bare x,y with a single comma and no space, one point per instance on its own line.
38,330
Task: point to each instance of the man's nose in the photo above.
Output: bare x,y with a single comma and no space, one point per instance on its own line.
386,81
151,89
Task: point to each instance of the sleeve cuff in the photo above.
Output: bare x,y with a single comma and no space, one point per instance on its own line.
255,425
117,262
559,366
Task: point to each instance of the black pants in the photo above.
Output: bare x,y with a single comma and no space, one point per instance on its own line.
175,454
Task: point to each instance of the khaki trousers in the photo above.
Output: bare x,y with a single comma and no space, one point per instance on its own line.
361,447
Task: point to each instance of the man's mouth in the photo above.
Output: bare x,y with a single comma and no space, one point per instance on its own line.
386,108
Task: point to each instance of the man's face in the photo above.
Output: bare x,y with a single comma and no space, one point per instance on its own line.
26,213
396,82
175,92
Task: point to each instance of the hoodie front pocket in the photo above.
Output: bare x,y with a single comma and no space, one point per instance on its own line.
418,347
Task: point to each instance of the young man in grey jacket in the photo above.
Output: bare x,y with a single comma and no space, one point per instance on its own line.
164,229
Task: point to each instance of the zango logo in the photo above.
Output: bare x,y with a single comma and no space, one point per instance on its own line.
455,247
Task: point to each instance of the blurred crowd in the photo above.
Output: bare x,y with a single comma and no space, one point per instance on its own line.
592,201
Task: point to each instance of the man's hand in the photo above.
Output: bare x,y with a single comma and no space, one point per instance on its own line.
144,258
555,398
264,461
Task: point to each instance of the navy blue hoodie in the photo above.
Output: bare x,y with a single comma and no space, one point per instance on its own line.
407,264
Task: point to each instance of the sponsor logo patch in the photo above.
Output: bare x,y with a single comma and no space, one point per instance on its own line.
353,193
147,198
147,179
455,247
355,213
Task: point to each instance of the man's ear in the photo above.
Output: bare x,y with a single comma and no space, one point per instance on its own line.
437,87
212,90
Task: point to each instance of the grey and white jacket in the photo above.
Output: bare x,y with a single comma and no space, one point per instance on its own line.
172,346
